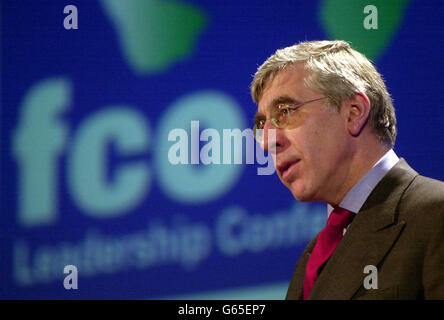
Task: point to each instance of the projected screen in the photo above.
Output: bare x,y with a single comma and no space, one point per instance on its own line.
126,146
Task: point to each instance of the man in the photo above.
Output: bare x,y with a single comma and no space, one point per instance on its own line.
326,116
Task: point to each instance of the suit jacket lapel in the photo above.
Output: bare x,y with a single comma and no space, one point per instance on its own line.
295,289
370,236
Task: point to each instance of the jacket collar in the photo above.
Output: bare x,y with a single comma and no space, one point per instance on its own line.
367,240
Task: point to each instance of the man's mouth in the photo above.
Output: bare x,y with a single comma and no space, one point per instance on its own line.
286,167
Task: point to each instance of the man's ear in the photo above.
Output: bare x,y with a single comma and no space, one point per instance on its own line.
358,110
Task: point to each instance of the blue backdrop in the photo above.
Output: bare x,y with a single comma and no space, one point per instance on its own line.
85,118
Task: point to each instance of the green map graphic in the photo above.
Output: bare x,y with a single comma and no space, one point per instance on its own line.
155,34
343,20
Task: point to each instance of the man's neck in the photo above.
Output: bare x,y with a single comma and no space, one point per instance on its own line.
362,162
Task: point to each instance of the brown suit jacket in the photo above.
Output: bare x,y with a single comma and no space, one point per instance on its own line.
400,230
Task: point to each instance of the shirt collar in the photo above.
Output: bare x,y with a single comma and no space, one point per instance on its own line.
357,195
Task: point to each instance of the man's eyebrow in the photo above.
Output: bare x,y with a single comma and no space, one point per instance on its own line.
277,101
258,116
283,99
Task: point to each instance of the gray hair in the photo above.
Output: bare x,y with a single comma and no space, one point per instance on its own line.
339,72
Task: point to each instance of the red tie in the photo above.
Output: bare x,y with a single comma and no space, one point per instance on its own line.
327,242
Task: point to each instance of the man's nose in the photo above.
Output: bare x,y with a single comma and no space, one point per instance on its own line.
270,142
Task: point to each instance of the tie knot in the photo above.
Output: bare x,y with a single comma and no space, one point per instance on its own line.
340,218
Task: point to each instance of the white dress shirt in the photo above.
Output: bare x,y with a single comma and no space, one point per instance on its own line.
357,195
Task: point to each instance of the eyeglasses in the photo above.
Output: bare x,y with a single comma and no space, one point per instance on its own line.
279,117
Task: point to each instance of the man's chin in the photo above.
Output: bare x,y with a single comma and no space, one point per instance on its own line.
302,195
302,198
298,191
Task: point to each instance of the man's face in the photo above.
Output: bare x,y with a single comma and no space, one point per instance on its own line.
311,156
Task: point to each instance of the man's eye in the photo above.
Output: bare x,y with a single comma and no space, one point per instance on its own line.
260,124
285,111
